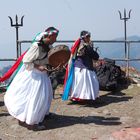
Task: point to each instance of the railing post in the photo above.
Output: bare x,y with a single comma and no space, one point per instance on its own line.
128,57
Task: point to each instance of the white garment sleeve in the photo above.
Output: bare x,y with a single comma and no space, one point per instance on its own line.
31,55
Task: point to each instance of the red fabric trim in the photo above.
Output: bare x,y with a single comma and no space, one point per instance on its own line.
76,44
76,99
73,49
12,69
66,76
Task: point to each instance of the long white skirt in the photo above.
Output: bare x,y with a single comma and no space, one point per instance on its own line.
29,96
85,84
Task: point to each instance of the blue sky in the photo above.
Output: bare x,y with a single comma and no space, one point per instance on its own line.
100,17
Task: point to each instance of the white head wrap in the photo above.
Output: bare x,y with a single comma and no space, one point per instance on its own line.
39,36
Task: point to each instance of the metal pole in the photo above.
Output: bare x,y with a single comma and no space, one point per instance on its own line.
16,25
17,36
128,56
125,18
125,32
125,29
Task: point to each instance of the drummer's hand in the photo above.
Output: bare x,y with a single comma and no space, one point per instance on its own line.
65,66
58,67
39,67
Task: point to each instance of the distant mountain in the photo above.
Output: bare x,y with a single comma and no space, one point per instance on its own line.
117,50
132,38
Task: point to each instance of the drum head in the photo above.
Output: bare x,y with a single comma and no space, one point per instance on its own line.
59,55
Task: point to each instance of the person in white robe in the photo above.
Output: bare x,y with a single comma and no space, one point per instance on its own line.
85,85
29,96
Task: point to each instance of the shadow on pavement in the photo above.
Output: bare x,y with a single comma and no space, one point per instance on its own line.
103,100
58,121
4,114
1,103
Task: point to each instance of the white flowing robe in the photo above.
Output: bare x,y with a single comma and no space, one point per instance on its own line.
29,96
85,84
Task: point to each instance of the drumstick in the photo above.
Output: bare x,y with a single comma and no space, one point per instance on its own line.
50,70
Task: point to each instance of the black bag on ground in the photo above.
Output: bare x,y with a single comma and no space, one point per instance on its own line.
108,74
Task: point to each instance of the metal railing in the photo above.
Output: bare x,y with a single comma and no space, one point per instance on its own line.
127,46
126,58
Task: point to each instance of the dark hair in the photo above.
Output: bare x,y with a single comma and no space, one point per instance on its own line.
84,34
50,29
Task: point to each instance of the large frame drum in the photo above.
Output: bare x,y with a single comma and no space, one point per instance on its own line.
59,55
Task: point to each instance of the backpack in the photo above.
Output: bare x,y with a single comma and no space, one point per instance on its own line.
108,75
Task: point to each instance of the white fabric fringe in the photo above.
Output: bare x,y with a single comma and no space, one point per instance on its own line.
85,84
29,96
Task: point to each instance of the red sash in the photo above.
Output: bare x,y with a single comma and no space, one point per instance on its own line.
12,69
